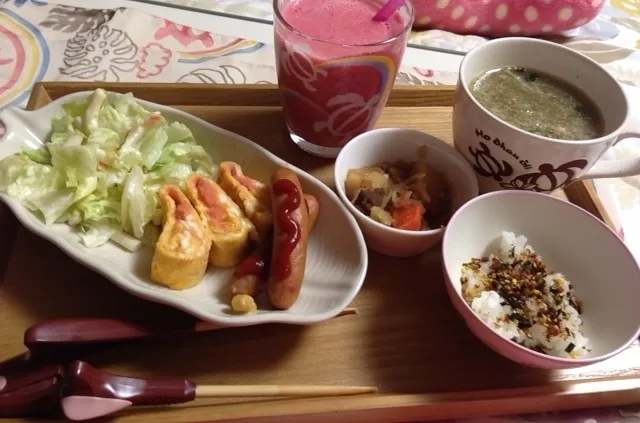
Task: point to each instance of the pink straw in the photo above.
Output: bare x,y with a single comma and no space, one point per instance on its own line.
387,10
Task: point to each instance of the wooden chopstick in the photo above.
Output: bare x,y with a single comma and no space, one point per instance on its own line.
201,326
348,311
209,391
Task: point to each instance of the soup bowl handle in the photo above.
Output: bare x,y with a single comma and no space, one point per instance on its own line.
615,168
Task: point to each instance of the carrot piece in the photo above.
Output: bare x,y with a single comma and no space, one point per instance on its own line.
408,215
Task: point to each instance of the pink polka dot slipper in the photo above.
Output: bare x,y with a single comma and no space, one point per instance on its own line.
496,18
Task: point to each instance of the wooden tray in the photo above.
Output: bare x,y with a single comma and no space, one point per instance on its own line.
406,338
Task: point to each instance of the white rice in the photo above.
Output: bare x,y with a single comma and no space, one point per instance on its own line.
545,317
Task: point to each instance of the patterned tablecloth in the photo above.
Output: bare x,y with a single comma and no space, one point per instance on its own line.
40,41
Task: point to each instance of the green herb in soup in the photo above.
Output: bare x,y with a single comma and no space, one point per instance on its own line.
538,103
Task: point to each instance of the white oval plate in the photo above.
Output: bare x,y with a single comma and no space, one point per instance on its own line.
336,256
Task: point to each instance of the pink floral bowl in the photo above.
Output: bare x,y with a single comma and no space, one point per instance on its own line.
604,273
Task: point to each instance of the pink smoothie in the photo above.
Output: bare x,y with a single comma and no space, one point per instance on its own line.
339,21
336,67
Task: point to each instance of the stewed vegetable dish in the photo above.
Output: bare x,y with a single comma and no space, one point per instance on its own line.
407,195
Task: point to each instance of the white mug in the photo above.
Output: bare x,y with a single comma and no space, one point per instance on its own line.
506,157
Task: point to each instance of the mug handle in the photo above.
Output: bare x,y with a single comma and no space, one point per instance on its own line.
618,168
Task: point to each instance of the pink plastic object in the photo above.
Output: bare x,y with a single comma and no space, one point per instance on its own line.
497,18
387,10
85,408
84,380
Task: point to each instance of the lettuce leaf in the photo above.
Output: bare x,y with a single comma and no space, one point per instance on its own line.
100,172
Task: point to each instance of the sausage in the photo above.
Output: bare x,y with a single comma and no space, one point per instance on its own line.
252,272
251,275
313,208
291,231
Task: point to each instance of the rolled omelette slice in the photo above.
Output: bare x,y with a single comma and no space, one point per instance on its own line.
229,227
253,197
182,250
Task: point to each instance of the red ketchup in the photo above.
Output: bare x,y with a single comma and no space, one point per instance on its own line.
256,263
290,228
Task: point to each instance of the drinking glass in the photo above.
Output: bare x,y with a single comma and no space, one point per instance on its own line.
332,92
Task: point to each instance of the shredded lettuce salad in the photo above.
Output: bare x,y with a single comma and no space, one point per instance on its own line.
101,170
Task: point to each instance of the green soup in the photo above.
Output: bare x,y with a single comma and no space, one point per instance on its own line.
538,103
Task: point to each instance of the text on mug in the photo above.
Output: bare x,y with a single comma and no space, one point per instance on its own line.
524,163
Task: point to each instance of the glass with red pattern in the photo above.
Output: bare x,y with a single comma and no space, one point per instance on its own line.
336,67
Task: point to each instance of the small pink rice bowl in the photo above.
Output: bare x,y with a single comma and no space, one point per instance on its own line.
571,241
